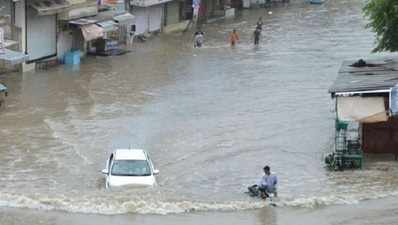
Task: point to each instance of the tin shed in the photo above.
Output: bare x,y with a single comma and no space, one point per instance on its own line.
362,92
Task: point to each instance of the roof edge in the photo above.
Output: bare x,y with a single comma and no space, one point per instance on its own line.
351,93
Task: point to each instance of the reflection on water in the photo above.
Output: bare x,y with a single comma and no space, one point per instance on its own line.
210,117
267,216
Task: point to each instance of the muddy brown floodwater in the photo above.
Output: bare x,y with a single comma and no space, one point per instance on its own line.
211,118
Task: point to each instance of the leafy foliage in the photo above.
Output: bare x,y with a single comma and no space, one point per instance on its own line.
383,16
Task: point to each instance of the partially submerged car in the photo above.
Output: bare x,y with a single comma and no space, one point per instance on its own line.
129,167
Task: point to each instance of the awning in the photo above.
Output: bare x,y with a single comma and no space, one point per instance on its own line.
76,2
147,3
361,109
48,7
13,57
91,32
78,10
103,16
125,18
107,25
83,21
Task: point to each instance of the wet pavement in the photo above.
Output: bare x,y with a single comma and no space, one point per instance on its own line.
210,118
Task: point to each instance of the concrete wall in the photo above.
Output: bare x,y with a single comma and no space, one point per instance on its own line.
172,12
177,27
20,22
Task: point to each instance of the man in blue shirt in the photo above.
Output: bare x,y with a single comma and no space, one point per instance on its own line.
267,184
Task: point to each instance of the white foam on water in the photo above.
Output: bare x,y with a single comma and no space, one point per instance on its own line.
101,206
108,206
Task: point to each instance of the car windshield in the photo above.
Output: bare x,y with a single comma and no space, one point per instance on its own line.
130,168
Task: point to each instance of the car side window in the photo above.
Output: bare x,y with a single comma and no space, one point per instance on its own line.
150,162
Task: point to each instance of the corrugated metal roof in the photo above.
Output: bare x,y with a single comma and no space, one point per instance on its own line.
107,15
79,9
48,7
107,25
377,75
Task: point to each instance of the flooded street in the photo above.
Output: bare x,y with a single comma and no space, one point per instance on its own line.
211,118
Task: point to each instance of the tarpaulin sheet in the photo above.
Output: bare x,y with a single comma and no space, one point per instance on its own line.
92,32
12,57
361,109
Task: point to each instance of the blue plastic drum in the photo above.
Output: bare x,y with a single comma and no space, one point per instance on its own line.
394,101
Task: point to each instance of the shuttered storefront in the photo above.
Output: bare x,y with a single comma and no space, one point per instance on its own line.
41,41
141,20
148,19
155,17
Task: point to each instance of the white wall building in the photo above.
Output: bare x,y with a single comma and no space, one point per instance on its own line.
149,15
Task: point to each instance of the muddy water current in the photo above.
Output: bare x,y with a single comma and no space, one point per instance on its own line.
211,118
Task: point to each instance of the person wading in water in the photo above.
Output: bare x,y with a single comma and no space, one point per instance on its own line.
257,33
233,38
198,39
259,24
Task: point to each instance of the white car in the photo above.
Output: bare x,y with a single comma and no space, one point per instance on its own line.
129,167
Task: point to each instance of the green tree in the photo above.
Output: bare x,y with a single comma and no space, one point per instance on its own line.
383,16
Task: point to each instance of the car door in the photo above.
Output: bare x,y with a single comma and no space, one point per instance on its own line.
108,168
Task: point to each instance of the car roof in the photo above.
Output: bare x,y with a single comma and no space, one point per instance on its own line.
129,154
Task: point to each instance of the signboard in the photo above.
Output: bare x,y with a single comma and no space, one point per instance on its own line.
394,101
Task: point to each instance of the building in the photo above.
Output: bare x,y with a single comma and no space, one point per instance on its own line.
105,32
39,32
45,30
364,95
69,36
178,15
11,52
149,15
161,15
211,9
40,27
